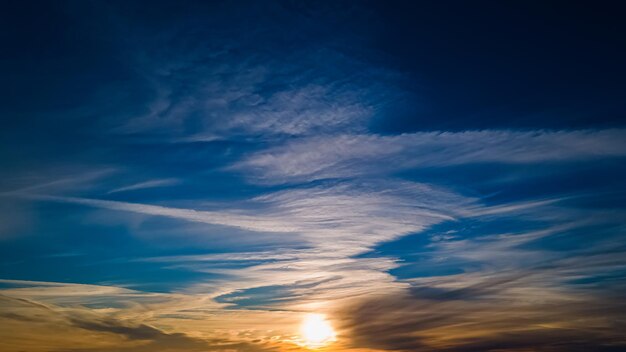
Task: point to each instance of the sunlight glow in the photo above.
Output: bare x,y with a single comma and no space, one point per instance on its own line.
316,331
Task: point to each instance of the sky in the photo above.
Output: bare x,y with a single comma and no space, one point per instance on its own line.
390,175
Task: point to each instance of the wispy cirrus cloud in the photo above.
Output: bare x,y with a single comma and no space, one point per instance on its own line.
147,184
348,215
225,91
332,223
236,102
351,155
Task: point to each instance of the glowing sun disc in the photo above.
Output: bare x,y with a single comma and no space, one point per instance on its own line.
316,331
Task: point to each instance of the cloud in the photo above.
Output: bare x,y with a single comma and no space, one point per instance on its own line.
303,110
55,180
504,311
147,184
201,216
35,326
350,155
548,287
348,215
339,232
332,222
50,316
255,99
224,89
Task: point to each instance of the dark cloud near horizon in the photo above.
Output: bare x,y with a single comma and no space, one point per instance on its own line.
491,315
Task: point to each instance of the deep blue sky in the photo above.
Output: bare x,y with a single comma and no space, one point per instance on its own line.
430,175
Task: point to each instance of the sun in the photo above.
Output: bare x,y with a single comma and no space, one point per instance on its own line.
316,331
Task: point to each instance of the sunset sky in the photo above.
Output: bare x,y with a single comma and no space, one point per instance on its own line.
190,176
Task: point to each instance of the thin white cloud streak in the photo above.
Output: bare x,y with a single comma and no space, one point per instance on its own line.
349,155
62,291
84,180
277,255
517,207
147,184
354,216
201,216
